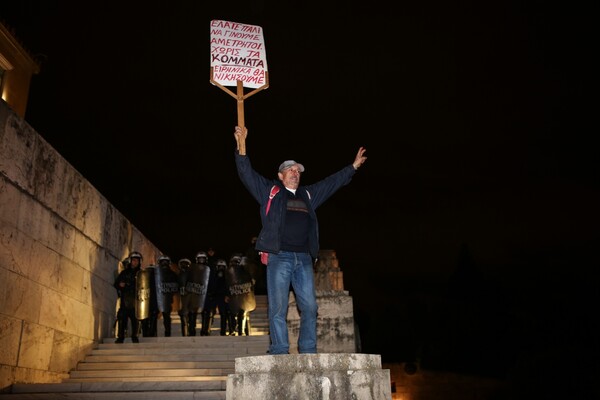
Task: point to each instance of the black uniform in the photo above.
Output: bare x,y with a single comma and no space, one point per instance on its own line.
216,295
166,288
125,285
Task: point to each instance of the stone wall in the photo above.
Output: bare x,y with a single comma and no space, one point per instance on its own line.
60,246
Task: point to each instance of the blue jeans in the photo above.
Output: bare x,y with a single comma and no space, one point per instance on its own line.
295,269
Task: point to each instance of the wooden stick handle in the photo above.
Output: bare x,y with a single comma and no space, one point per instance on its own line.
240,114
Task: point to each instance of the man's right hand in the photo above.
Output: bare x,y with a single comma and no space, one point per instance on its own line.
240,135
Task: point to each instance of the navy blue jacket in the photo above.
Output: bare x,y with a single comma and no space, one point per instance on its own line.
269,238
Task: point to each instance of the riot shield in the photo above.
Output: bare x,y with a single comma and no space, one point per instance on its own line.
241,289
258,272
196,285
182,279
166,287
144,287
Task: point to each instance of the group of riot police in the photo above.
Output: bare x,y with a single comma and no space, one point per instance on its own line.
147,293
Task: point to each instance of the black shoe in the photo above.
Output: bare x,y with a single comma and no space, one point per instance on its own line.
135,340
119,340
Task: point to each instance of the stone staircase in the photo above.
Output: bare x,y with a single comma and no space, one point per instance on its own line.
176,367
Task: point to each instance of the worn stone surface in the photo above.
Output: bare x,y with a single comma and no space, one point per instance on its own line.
10,330
310,377
307,362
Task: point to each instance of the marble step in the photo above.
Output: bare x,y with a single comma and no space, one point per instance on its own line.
151,358
153,395
132,374
180,390
211,341
150,388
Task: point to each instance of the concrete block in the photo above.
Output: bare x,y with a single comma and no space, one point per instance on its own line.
310,377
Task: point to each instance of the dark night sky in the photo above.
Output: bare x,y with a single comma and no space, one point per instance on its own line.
474,116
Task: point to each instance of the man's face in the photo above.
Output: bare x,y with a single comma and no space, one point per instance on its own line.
135,262
290,177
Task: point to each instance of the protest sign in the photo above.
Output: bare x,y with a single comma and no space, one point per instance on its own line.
237,54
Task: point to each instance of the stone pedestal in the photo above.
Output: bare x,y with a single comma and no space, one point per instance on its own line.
309,377
336,331
328,275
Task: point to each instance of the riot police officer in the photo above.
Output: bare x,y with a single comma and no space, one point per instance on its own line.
193,282
241,294
146,306
166,288
182,278
216,299
126,290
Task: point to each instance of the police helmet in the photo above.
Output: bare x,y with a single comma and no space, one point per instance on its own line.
236,259
135,254
185,262
201,254
221,264
164,259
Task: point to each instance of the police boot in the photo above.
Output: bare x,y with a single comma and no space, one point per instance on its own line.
154,326
247,325
192,324
121,332
205,330
121,324
223,325
184,325
232,324
167,324
144,326
135,331
240,323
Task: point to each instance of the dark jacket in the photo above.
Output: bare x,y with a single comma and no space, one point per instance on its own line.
269,238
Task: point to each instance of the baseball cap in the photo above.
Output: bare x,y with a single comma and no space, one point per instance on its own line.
290,163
